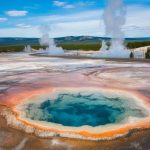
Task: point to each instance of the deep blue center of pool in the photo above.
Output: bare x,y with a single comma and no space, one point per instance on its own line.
77,110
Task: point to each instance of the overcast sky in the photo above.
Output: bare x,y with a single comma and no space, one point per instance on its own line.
24,18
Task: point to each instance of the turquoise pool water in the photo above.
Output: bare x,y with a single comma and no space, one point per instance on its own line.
79,109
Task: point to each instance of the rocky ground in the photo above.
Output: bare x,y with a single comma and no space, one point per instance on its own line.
20,72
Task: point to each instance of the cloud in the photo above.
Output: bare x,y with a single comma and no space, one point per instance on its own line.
59,3
16,13
86,3
3,19
138,21
78,28
20,32
22,25
80,16
81,23
63,4
69,6
58,29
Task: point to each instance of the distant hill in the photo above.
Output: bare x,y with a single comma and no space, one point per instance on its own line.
18,41
62,40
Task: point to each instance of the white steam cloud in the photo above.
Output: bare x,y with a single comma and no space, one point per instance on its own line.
45,40
28,49
114,18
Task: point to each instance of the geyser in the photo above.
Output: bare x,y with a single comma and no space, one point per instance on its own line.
114,19
28,49
51,49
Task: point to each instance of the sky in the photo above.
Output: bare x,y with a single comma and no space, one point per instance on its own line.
25,18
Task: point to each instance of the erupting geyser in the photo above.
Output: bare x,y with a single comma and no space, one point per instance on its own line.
114,19
104,46
28,49
51,49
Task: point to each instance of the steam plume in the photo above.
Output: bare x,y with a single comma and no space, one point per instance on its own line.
28,49
114,18
51,50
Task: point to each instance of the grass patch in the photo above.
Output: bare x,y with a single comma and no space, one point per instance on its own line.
74,46
132,45
11,48
80,46
17,48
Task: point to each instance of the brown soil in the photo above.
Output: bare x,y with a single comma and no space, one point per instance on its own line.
17,140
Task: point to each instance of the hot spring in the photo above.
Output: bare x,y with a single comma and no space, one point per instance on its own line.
79,109
83,113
